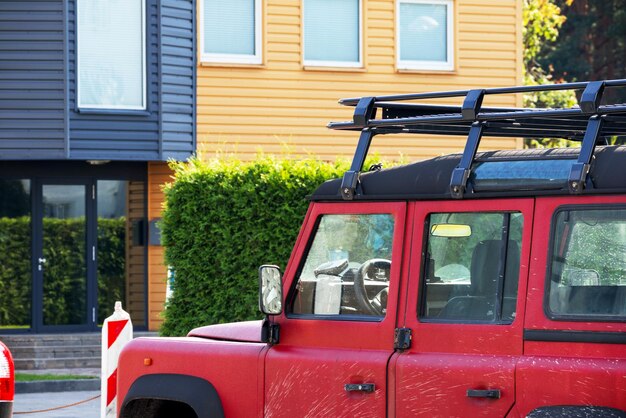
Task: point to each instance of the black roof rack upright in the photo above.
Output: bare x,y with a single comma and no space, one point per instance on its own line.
589,122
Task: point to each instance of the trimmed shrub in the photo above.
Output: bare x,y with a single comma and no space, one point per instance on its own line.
222,220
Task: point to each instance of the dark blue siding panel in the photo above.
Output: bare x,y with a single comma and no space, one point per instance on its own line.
32,80
117,136
178,78
39,118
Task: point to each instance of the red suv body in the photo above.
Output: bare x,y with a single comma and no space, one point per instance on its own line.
468,285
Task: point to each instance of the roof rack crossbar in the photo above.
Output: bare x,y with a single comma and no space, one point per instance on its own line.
460,175
497,90
472,103
350,180
579,171
364,111
590,99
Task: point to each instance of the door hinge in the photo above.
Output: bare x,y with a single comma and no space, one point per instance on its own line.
93,314
402,339
270,332
93,253
93,192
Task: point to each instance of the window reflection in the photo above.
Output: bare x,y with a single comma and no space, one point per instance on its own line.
15,248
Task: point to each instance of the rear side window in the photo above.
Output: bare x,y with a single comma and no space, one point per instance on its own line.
347,267
471,267
588,266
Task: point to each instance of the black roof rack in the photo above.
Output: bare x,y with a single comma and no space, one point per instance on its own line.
589,122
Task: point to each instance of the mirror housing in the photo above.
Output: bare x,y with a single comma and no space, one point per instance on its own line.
270,290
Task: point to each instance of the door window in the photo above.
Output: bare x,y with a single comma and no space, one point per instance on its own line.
121,248
347,267
588,267
63,263
471,267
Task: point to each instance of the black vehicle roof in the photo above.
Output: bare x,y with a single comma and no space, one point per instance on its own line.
430,179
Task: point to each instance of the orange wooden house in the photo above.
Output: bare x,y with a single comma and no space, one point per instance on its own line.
269,73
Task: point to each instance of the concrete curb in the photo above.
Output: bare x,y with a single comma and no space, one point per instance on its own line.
57,386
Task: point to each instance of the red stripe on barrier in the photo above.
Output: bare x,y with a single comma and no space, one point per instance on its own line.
111,387
115,329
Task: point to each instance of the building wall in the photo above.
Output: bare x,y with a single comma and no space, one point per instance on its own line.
177,59
39,118
32,80
158,175
281,106
135,253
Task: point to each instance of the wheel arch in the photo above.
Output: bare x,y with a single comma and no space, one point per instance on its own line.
197,393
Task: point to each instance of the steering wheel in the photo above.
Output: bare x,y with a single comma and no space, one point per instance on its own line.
371,306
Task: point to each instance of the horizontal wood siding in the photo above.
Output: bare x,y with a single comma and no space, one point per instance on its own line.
158,175
135,255
117,136
282,108
177,78
32,80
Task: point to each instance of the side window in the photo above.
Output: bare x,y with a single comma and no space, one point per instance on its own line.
471,268
347,267
332,33
425,35
588,267
111,56
231,31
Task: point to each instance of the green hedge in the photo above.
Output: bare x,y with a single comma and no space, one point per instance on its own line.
64,247
222,220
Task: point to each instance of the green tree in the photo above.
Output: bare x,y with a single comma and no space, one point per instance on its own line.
591,42
542,20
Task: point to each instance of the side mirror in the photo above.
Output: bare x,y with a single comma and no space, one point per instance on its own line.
270,290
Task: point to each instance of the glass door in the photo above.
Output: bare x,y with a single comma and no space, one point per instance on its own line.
15,249
64,256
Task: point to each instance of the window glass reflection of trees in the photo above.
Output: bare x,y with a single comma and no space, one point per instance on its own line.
15,254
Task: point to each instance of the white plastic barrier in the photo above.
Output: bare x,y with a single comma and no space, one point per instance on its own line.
117,330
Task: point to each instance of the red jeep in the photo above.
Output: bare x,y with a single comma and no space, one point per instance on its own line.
480,284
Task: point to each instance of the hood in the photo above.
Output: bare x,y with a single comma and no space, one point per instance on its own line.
248,331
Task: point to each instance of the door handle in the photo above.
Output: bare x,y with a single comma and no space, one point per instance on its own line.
360,387
41,262
487,393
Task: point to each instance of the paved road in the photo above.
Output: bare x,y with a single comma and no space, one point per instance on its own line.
26,402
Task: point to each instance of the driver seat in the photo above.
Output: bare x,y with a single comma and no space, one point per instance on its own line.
478,304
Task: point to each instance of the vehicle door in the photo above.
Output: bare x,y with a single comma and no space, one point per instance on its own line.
337,332
575,322
468,266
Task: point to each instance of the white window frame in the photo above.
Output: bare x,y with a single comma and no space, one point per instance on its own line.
144,98
256,58
323,63
428,65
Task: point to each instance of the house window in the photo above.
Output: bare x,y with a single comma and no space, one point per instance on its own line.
332,33
425,35
111,57
231,31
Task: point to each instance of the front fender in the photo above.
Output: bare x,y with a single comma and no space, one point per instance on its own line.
231,368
